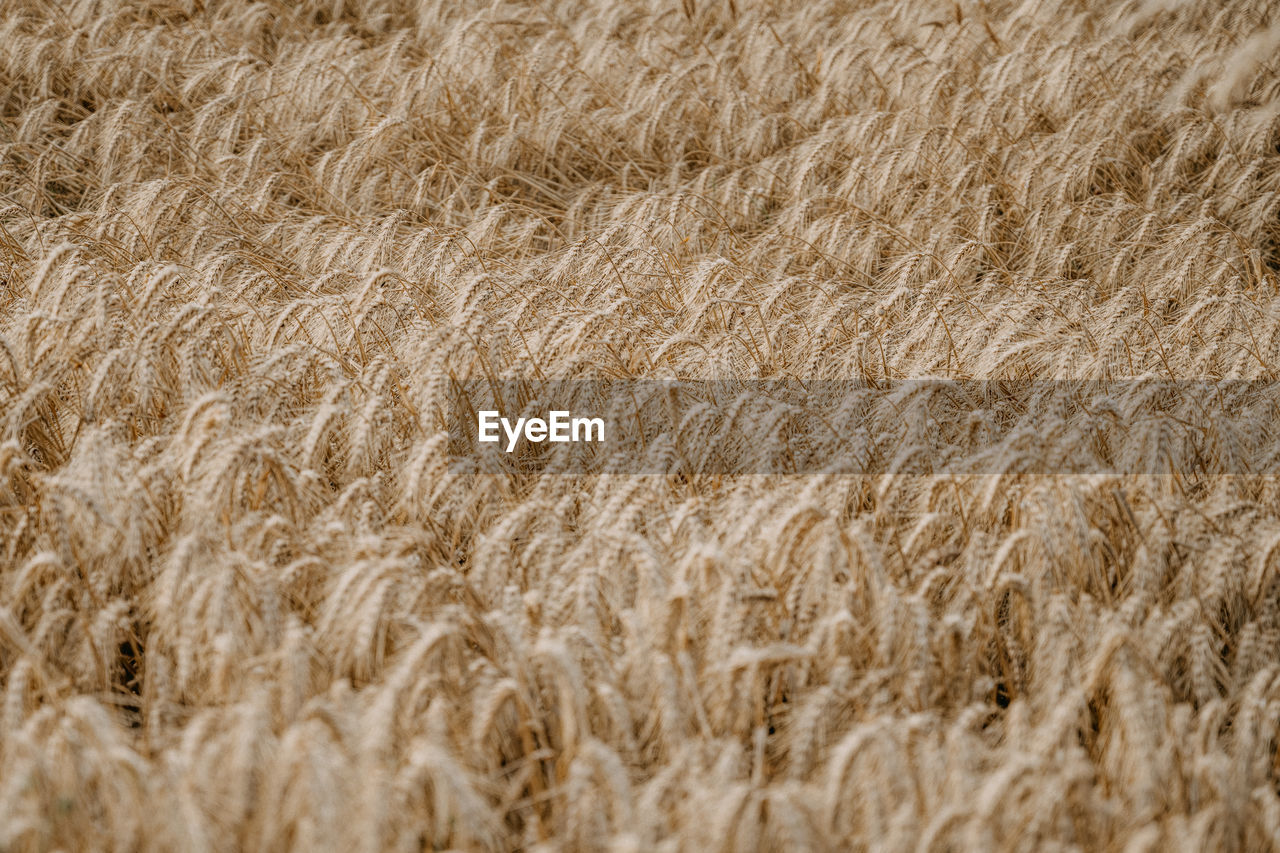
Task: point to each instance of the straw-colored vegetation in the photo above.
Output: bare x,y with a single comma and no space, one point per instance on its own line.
246,604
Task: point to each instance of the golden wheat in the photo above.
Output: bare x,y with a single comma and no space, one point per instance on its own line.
247,603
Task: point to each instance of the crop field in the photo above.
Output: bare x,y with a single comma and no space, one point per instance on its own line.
253,598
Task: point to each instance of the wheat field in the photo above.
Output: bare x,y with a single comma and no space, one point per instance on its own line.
247,603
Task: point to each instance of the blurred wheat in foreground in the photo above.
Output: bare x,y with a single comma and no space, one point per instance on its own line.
247,604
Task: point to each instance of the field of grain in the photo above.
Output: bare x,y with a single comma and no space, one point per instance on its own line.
246,603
